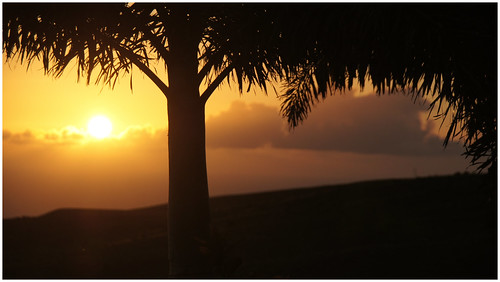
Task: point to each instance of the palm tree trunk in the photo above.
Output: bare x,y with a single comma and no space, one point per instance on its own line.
188,212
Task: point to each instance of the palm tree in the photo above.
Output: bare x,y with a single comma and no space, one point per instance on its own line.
200,47
316,49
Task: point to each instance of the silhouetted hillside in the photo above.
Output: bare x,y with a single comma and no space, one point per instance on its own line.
439,227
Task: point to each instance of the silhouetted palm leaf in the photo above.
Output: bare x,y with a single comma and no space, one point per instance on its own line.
445,51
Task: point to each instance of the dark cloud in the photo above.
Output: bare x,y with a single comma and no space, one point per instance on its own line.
369,124
25,137
244,126
63,136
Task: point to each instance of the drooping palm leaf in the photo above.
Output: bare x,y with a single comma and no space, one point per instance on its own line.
59,34
445,51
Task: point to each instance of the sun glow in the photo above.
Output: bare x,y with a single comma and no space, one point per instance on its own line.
99,127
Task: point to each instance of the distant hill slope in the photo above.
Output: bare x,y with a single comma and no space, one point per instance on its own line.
438,227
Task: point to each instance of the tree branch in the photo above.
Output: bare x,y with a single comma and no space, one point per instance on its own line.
211,88
133,57
203,72
145,69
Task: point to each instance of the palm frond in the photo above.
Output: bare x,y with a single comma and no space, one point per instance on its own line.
59,34
442,51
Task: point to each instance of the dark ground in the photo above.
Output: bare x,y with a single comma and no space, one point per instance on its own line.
439,227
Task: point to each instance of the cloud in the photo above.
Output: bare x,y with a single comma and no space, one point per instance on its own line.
368,124
64,136
18,138
244,126
70,135
138,133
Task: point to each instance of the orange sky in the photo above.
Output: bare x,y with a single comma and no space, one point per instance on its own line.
49,161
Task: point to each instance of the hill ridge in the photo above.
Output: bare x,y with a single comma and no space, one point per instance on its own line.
260,193
437,227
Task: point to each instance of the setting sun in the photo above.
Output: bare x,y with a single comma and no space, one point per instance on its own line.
99,127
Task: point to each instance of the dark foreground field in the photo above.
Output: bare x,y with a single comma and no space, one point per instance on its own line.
442,227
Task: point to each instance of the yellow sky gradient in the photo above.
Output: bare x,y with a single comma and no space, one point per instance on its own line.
49,161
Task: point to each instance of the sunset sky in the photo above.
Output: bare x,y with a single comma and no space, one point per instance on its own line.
50,161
